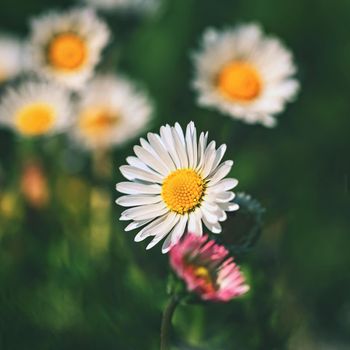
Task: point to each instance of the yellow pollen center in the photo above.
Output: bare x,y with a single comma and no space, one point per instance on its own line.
204,274
67,51
239,81
96,121
183,190
35,119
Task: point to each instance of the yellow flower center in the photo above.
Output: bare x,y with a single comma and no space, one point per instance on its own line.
204,274
95,121
183,190
35,119
239,81
67,51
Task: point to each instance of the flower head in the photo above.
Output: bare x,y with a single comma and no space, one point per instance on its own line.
244,74
11,57
67,46
36,108
207,268
176,181
111,111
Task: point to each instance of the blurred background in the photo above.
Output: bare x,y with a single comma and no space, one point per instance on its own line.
70,277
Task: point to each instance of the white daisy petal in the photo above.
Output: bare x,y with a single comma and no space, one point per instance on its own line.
145,212
159,149
175,235
150,160
164,230
221,172
195,223
229,206
221,197
137,188
223,185
147,230
133,173
136,224
136,200
213,227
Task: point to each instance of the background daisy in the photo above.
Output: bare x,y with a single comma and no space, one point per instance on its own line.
11,57
244,74
36,108
67,46
111,111
176,182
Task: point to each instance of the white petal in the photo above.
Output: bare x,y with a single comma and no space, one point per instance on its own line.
134,161
221,197
213,227
180,145
218,157
175,235
135,200
229,206
132,173
136,188
221,172
147,230
156,143
136,224
168,141
195,223
209,157
149,159
165,229
189,145
223,185
145,212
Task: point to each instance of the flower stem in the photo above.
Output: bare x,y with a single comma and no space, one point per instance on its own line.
166,322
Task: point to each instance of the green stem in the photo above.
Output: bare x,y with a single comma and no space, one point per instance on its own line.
166,322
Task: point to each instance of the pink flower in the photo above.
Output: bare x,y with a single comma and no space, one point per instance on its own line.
207,269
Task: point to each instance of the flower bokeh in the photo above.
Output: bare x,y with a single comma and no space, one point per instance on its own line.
207,269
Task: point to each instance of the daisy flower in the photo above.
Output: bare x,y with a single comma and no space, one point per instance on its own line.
36,108
111,111
140,6
244,74
176,181
11,53
67,46
207,269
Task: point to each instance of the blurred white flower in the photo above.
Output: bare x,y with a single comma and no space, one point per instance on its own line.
244,74
176,181
67,46
111,111
136,6
11,57
36,108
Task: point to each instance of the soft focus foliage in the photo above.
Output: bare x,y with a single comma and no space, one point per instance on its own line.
71,278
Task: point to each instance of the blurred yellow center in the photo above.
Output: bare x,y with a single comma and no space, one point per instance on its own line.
183,190
95,121
67,51
35,119
239,81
